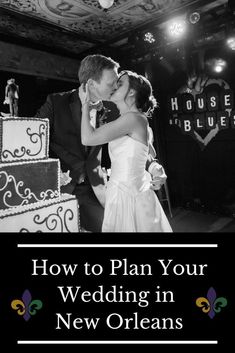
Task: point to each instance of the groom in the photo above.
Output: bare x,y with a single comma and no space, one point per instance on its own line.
64,113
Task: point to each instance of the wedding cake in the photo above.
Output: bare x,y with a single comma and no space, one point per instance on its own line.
30,198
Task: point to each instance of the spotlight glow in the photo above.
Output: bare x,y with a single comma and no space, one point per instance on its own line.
177,28
219,65
194,17
216,65
148,37
231,42
218,68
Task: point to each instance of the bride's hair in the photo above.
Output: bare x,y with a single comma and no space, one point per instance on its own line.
144,98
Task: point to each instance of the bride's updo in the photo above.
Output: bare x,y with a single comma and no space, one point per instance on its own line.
144,98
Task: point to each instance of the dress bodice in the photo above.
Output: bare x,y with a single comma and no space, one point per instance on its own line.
131,205
128,161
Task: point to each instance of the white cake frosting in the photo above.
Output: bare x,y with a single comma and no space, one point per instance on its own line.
23,139
55,215
24,142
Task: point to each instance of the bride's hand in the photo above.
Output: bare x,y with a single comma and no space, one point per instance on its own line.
84,94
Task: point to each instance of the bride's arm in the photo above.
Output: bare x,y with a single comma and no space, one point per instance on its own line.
106,133
152,150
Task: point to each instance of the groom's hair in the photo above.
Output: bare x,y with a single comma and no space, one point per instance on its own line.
92,66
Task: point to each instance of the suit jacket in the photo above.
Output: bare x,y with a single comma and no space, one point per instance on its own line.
64,113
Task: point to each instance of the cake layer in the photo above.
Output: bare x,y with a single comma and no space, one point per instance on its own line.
58,215
23,183
23,139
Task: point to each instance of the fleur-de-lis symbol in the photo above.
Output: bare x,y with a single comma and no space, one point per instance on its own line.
211,305
26,307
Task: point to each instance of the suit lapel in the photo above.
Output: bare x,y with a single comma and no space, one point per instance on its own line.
75,107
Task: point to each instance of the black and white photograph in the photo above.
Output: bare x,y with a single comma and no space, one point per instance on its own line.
117,174
117,116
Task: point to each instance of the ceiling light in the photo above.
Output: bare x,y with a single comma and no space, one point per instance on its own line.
176,28
194,17
218,68
106,4
216,64
149,37
231,42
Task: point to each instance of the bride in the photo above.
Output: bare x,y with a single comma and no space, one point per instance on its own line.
131,205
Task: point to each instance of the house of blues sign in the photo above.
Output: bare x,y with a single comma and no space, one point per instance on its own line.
203,110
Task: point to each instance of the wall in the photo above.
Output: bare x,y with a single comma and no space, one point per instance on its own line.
200,179
15,58
37,73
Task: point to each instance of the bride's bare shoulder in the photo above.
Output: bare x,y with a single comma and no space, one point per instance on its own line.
134,114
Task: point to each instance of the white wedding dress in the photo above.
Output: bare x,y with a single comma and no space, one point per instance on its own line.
131,206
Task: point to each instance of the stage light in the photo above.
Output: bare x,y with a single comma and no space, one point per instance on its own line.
218,68
106,4
231,42
149,37
217,65
176,28
194,17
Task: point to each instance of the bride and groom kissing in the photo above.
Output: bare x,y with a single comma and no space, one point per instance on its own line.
128,203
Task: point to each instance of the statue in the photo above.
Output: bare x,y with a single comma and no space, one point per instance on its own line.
12,96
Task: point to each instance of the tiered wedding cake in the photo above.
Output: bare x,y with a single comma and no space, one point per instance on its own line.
30,199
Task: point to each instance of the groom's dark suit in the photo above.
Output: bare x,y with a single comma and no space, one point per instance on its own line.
64,113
